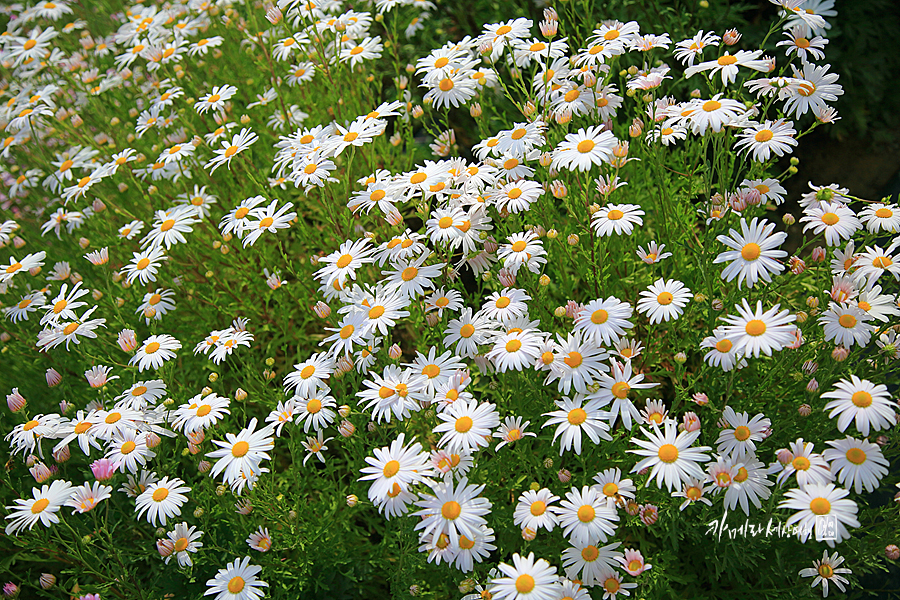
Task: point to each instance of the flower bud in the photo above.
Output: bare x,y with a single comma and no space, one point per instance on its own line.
812,302
395,352
892,552
840,354
681,358
545,159
240,395
475,110
690,422
103,469
564,475
649,514
346,429
818,254
572,239
701,398
40,472
544,280
788,219
785,456
528,534
810,367
15,401
558,189
506,277
432,319
352,500
127,340
62,455
273,15
731,37
805,410
632,508
797,265
47,580
213,377
165,547
636,128
812,386
322,310
802,317
53,377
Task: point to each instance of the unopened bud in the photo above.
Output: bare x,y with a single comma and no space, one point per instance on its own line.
395,352
840,354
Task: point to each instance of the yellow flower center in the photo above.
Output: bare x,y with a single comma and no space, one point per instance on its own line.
204,410
513,346
711,105
862,399
801,463
590,553
856,456
391,468
39,506
151,348
830,218
585,146
586,513
572,95
755,327
236,585
240,449
503,30
128,447
742,433
610,489
346,331
847,321
577,416
668,453
464,424
751,251
665,298
884,213
451,510
727,60
538,507
820,506
615,214
160,494
724,346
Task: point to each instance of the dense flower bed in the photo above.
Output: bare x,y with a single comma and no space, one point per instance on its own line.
307,299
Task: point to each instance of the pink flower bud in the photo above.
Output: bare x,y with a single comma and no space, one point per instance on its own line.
632,508
103,469
701,398
395,352
204,466
62,455
165,547
882,440
53,377
432,319
649,514
691,422
343,410
840,354
15,401
394,217
813,386
731,37
564,475
797,265
33,271
810,367
892,552
346,429
475,110
127,340
788,219
818,254
550,14
322,310
507,277
273,15
805,410
558,189
545,159
47,580
785,456
549,28
18,242
40,472
528,534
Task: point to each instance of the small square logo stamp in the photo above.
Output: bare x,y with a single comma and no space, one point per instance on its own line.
826,528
